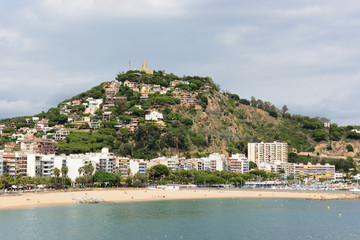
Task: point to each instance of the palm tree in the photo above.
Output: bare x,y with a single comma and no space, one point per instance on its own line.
4,181
64,172
18,181
147,174
91,169
88,169
56,173
27,181
80,170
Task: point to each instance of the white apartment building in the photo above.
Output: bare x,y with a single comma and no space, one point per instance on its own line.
40,165
214,162
137,166
267,152
73,162
238,163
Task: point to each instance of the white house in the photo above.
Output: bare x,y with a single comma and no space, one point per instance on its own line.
154,116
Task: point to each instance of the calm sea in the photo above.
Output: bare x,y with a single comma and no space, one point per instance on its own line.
187,219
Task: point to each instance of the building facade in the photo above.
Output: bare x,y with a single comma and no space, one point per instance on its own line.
318,171
267,152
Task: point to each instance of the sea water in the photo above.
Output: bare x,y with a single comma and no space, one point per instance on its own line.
187,219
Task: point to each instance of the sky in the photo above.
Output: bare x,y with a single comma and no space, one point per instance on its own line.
302,53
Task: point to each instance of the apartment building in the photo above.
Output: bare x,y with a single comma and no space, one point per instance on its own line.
238,163
318,171
40,165
122,166
137,166
267,152
38,145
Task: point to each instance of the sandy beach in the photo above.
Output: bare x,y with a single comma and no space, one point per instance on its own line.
128,195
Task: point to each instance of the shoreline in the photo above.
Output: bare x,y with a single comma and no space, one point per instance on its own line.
58,198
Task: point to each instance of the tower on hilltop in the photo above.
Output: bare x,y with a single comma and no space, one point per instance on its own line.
145,69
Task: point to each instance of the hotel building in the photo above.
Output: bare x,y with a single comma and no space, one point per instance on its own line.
318,171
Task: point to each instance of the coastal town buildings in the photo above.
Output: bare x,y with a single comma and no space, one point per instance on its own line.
42,165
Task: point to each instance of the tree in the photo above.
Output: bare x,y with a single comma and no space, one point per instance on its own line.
80,170
319,135
273,113
88,169
349,148
237,181
104,177
158,171
284,110
56,174
4,181
261,173
64,172
121,106
252,165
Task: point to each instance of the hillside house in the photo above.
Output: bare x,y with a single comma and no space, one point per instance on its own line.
106,84
73,117
65,111
95,123
131,85
156,89
35,119
144,97
61,133
153,116
120,98
1,128
107,116
107,106
41,125
76,102
146,89
64,105
115,84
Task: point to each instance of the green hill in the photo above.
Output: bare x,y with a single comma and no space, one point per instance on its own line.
198,119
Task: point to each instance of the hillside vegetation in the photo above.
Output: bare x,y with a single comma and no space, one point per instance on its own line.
198,119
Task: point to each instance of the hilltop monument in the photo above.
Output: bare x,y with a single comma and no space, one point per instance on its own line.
145,69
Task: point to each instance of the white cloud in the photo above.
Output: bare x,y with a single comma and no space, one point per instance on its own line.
20,107
118,9
234,35
305,11
13,40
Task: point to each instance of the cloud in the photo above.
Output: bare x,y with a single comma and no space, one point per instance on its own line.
301,53
19,107
306,11
234,35
116,8
14,40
